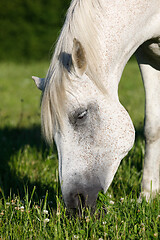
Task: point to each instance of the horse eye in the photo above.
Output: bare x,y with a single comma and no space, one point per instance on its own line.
81,118
82,115
78,117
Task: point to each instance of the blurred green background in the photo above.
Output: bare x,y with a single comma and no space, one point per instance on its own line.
28,33
29,28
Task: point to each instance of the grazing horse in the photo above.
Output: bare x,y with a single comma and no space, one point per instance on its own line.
80,105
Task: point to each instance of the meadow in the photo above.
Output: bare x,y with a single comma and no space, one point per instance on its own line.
31,205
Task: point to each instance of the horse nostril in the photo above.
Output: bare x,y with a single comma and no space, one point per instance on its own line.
80,196
81,200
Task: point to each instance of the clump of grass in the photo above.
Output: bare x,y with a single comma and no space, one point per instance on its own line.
125,218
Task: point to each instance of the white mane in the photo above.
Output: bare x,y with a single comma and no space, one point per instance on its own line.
80,24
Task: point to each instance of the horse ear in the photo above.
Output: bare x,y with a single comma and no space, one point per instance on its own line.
39,82
79,58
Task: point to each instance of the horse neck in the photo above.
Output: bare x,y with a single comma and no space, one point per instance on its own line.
122,27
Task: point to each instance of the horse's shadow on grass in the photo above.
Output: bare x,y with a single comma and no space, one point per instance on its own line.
13,140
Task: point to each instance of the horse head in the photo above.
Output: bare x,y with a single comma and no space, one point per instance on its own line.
94,132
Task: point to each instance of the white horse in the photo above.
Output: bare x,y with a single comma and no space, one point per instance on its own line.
80,105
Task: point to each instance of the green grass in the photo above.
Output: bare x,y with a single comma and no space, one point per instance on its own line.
29,176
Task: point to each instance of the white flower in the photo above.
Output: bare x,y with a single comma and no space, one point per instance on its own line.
45,211
16,208
122,199
111,202
46,220
87,219
22,208
75,237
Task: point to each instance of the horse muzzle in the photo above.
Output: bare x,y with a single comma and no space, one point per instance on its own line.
79,195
